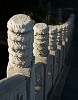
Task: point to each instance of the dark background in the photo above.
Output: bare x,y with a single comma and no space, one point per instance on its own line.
9,8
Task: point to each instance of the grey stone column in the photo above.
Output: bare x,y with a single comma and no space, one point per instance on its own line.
41,53
20,48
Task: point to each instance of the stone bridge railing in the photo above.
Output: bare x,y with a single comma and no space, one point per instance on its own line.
37,57
13,88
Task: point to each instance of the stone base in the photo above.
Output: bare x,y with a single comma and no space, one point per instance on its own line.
52,52
59,47
40,59
22,71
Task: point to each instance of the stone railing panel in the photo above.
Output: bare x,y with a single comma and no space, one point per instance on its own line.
13,88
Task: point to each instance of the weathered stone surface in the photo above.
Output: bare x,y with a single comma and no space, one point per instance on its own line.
41,47
52,52
40,28
10,70
42,52
63,43
20,23
63,27
20,42
66,32
12,86
66,39
40,39
21,37
20,53
18,70
59,35
59,47
20,61
52,37
19,45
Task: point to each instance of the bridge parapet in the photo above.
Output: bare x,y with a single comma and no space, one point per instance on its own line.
51,45
13,88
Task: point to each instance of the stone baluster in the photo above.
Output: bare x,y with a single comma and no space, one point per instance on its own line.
50,62
20,42
69,27
63,44
52,38
52,52
59,37
66,38
68,34
59,48
41,52
63,34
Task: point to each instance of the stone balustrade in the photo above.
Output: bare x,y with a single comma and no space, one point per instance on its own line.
37,57
13,88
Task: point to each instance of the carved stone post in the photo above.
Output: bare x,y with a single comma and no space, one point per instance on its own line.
69,34
59,48
20,42
63,44
66,38
52,52
41,54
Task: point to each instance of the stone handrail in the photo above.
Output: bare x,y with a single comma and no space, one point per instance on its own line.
13,88
37,52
